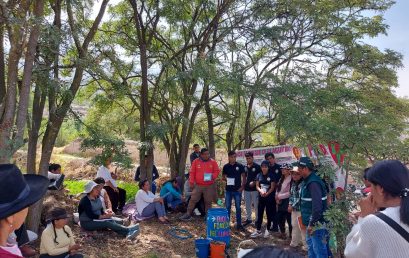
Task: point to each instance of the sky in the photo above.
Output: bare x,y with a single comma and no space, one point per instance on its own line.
397,39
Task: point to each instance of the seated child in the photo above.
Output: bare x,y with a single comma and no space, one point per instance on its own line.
57,240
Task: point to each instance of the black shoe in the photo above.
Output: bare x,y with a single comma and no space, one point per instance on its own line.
246,223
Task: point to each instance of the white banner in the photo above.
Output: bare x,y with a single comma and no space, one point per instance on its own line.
330,153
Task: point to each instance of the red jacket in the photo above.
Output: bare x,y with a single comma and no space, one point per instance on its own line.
203,172
5,254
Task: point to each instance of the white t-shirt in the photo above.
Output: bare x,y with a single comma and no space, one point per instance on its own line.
371,237
143,199
106,175
53,176
101,196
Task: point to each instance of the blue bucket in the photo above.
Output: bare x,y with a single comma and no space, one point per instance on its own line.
218,225
202,247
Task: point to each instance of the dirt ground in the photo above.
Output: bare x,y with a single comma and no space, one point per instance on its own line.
154,239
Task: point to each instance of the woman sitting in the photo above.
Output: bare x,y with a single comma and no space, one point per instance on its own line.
385,233
17,192
147,204
57,240
171,193
93,217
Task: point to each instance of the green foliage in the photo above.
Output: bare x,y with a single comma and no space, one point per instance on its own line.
77,186
110,146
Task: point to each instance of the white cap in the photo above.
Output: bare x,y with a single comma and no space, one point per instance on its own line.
89,186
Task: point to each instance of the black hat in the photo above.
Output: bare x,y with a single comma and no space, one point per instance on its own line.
57,213
17,191
305,162
265,163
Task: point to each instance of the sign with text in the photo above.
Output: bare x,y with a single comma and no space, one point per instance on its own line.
330,154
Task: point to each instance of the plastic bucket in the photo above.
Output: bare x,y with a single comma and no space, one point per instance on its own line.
217,249
218,225
202,247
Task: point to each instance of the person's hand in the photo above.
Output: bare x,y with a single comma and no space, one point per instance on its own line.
74,247
290,208
252,184
191,187
309,230
241,189
109,215
116,190
160,200
368,206
109,211
183,199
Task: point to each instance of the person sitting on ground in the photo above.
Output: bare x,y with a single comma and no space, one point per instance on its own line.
384,233
147,204
155,174
264,185
117,195
283,199
93,217
23,238
17,193
57,239
271,251
55,176
106,203
171,193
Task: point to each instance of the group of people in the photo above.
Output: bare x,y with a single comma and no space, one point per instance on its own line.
292,195
289,194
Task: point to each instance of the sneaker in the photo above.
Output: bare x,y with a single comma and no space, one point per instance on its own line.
132,234
266,233
256,234
246,223
197,212
186,217
134,227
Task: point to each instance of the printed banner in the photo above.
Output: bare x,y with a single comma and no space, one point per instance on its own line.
330,153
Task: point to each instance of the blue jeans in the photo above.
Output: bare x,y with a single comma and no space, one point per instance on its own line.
318,244
172,201
154,208
237,202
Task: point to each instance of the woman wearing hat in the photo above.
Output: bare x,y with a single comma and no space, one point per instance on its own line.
93,217
17,192
384,233
57,240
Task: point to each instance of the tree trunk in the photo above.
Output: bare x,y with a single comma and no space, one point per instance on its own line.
247,134
210,126
27,74
2,67
57,114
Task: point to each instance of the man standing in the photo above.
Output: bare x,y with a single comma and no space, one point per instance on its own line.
195,154
155,175
117,195
313,205
203,174
275,170
235,178
250,192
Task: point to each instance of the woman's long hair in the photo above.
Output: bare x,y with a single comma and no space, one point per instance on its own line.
55,232
393,177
